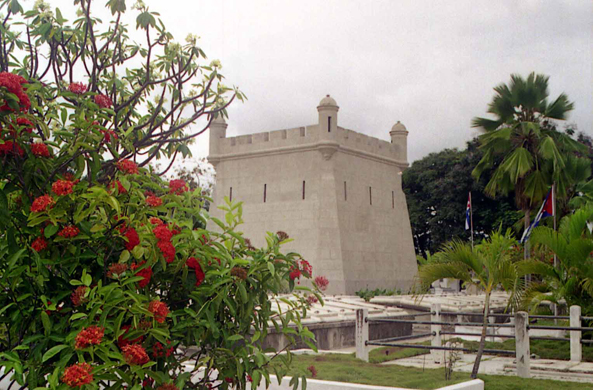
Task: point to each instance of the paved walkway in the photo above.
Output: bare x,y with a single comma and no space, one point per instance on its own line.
493,365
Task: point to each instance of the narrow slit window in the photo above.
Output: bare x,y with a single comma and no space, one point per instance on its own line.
329,124
345,192
303,190
231,194
265,192
392,199
371,195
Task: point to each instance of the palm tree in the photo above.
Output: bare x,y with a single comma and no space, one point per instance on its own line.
572,279
489,266
524,135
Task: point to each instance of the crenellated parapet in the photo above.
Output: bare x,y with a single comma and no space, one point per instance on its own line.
325,136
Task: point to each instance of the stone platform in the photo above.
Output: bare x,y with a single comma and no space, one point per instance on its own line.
333,323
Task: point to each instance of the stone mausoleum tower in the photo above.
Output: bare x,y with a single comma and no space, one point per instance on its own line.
336,192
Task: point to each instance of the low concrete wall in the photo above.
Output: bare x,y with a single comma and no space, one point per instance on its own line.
314,384
339,334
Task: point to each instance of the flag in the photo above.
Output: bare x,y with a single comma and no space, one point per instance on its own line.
468,211
547,210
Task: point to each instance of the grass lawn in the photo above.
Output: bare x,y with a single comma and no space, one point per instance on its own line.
346,368
545,349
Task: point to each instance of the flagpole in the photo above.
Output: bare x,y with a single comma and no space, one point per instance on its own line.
471,218
555,257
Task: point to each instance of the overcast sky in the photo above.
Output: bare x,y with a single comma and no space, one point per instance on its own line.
430,64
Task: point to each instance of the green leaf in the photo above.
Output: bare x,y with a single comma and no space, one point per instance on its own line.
517,164
272,268
46,323
52,352
86,279
50,230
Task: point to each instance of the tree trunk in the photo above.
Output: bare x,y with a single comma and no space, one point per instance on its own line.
526,246
483,336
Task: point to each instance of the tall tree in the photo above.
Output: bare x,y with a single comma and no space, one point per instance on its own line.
489,266
437,188
524,134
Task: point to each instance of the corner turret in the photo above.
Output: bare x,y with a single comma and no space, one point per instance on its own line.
217,131
399,137
328,115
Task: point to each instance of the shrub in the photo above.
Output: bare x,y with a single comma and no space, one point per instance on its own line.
107,278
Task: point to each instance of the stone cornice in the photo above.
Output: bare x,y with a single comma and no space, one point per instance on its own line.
325,147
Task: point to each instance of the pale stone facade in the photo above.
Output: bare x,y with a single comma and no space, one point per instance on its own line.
336,192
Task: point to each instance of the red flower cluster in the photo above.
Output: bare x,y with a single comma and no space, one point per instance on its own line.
177,187
135,354
69,232
14,84
42,203
78,375
77,88
158,350
40,149
103,101
167,386
127,166
159,310
77,296
193,263
120,188
25,122
321,282
10,148
115,270
122,341
107,134
154,201
146,273
164,235
39,244
62,187
302,267
313,371
155,221
311,299
93,335
132,237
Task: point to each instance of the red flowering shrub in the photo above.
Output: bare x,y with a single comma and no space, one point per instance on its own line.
98,277
313,371
145,273
42,203
159,310
77,88
78,375
40,149
103,101
69,232
154,201
39,244
92,335
14,84
322,282
135,354
62,187
167,386
127,166
78,296
193,263
177,186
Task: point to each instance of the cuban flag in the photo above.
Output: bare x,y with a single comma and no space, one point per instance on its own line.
468,211
547,210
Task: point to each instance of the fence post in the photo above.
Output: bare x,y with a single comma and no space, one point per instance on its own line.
362,334
522,344
435,341
576,349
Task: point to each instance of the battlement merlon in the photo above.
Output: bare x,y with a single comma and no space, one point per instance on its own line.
325,136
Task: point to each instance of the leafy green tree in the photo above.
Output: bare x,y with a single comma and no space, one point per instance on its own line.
489,266
437,188
106,280
572,279
524,134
